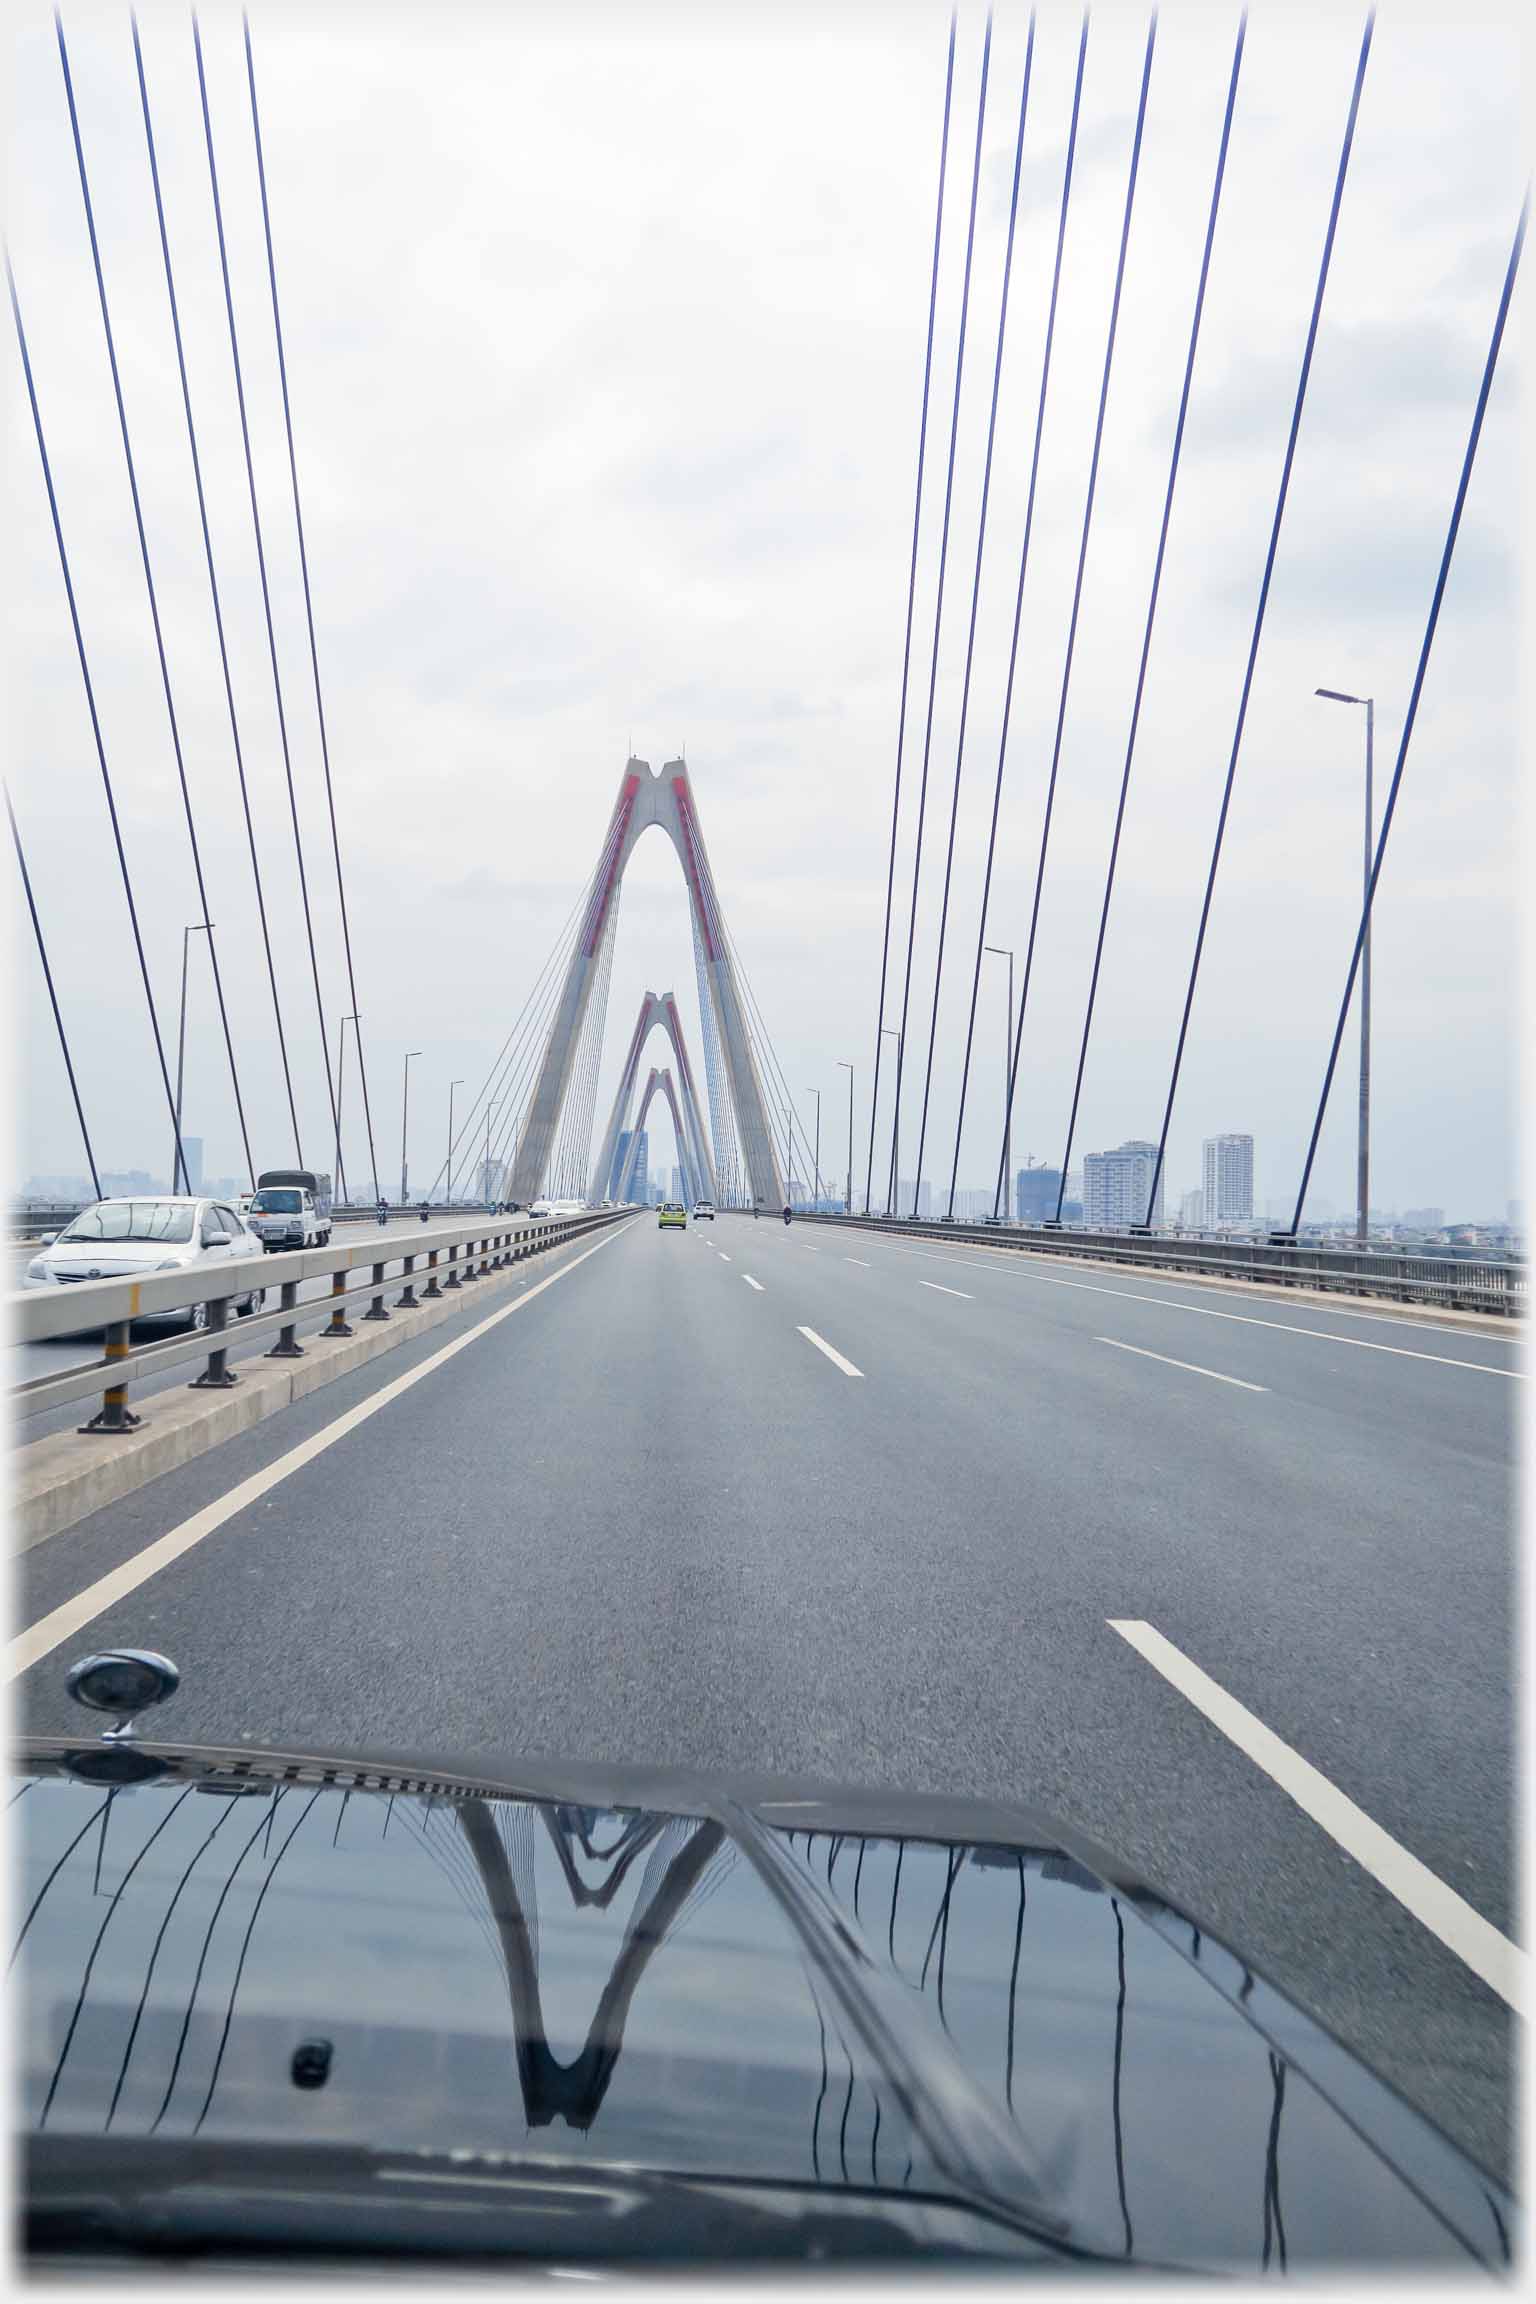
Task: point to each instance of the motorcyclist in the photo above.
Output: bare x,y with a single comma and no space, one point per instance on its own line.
382,1211
786,1211
424,1212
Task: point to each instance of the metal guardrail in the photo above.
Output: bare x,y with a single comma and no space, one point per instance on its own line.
444,1257
1406,1276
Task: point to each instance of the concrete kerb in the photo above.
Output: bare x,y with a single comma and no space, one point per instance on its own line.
62,1479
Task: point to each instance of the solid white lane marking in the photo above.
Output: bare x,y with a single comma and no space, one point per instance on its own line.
71,1616
831,1352
940,1290
856,1260
1190,1366
1474,1940
751,1283
1244,1319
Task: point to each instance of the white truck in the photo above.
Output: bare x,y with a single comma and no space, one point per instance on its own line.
291,1209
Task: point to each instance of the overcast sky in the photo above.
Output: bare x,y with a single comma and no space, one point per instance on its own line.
605,335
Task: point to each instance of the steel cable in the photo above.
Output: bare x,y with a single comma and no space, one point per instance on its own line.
213,585
970,638
53,998
938,604
154,614
1258,621
1077,598
1157,578
90,699
1018,598
1416,691
309,612
266,595
906,650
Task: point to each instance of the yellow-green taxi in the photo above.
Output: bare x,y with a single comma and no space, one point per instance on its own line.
671,1213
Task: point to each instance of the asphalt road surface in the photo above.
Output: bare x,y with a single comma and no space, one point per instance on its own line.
814,1500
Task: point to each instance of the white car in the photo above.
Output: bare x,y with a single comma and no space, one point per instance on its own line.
119,1239
541,1207
704,1208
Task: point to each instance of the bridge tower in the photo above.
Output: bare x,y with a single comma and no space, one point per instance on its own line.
693,1144
666,799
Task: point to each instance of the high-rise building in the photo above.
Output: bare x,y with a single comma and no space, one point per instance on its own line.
1424,1219
1192,1209
192,1161
677,1182
1116,1184
904,1190
1227,1180
1035,1194
640,1189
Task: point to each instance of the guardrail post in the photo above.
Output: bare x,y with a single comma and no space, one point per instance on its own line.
114,1414
432,1288
337,1324
453,1280
467,1263
406,1300
218,1376
377,1310
485,1262
287,1347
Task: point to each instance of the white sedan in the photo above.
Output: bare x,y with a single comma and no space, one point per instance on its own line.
119,1239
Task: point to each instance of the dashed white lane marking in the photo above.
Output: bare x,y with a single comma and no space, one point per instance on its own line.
939,1290
1244,1319
1191,1367
859,1260
751,1283
63,1622
1474,1940
831,1352
720,1252
814,1251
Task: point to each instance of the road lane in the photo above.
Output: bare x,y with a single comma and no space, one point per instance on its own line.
643,1521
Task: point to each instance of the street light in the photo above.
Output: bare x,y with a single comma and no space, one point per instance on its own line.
448,1170
848,1068
1004,952
405,1101
816,1155
891,1033
178,1157
341,1051
1363,1155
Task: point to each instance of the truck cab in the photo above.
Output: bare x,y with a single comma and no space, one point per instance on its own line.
291,1209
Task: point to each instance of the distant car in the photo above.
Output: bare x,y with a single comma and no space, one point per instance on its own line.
703,1208
118,1239
671,1212
541,1207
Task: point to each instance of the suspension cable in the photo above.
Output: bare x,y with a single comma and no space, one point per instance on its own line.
53,998
266,595
1258,621
1157,578
906,650
1077,597
213,584
970,638
309,612
90,698
154,613
1414,694
938,604
1018,598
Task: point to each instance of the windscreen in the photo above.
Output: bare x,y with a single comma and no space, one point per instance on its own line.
132,1220
284,1203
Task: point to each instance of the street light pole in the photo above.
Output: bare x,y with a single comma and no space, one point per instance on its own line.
816,1154
405,1105
448,1170
1003,951
178,1157
1363,1149
843,1066
891,1033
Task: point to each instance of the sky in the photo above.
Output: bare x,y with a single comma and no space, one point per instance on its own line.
605,331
